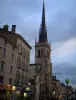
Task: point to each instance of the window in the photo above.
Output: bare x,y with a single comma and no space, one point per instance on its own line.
2,65
19,49
38,53
10,81
4,51
18,76
22,79
1,79
26,80
23,52
26,55
17,82
26,67
19,62
11,68
23,66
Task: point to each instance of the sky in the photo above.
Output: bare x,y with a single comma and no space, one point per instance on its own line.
61,23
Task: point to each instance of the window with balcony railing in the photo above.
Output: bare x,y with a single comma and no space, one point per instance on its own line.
19,62
19,48
23,52
11,69
22,65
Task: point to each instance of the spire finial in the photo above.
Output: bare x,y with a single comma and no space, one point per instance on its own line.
43,15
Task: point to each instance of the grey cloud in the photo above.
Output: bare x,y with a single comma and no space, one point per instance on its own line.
65,70
60,27
63,26
73,80
62,19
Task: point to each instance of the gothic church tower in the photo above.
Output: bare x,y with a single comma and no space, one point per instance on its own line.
42,47
42,55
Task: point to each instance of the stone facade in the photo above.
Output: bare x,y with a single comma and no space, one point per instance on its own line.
23,59
56,86
34,79
43,79
14,57
7,58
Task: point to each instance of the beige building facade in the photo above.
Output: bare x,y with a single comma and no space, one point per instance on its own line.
23,61
14,57
7,57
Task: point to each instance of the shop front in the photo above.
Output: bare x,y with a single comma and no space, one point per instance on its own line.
5,92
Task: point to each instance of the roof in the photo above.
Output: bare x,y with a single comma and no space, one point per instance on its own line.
62,84
57,80
12,37
18,35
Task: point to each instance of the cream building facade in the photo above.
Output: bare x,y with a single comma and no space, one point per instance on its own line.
7,56
14,57
23,61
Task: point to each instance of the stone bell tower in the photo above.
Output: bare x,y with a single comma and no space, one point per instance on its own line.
43,53
42,47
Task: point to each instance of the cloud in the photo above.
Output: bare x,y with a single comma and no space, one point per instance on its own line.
61,28
63,49
64,71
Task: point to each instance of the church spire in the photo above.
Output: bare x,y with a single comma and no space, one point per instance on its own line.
43,31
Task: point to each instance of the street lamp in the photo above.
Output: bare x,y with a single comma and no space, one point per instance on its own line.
27,89
67,82
54,92
25,94
13,92
29,84
13,88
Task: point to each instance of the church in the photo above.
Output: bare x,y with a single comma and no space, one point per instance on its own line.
41,70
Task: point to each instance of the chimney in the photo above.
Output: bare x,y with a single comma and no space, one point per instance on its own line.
13,28
5,28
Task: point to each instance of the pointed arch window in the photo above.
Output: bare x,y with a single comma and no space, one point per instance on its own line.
39,53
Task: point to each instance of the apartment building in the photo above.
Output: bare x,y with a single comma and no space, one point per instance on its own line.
56,86
14,57
7,56
23,60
